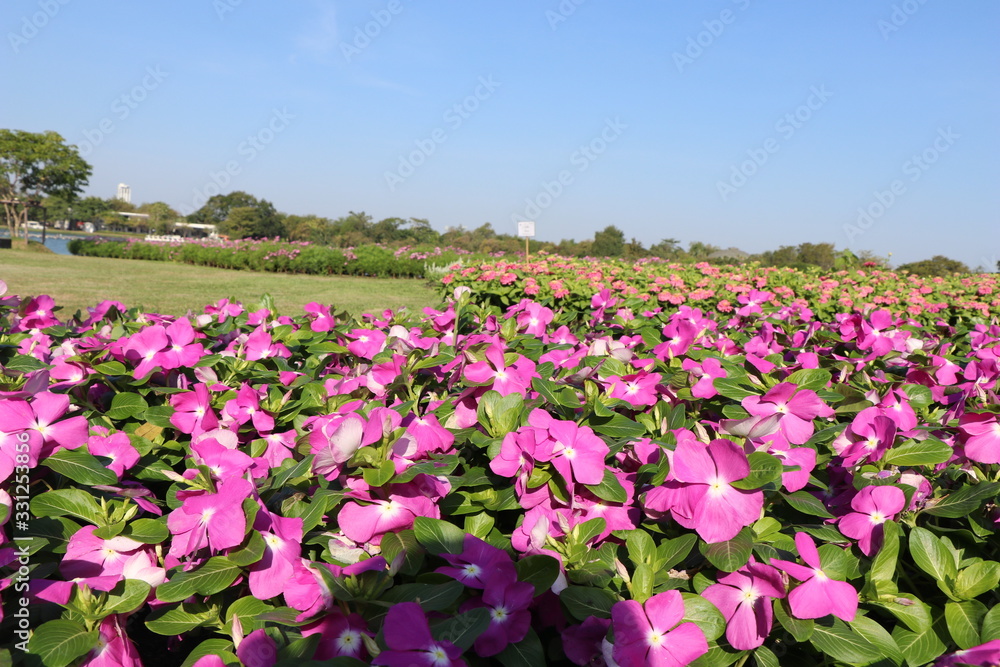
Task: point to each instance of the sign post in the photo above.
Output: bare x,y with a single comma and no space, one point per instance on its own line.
526,229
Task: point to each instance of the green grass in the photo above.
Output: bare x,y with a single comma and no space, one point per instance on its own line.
174,289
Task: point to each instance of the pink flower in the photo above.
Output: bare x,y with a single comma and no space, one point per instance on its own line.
744,598
873,506
638,389
507,601
114,649
797,407
477,561
818,595
339,635
984,655
410,642
282,552
981,433
495,373
257,650
115,446
193,411
708,370
213,520
652,635
701,496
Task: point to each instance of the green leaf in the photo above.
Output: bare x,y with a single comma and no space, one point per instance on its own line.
641,588
500,414
765,657
539,570
810,378
807,503
251,553
214,576
463,629
179,619
878,637
672,552
126,405
437,536
68,502
883,571
111,368
525,653
964,621
248,609
81,467
380,476
914,613
764,469
919,453
609,489
933,557
837,640
641,548
60,642
431,597
732,555
800,629
618,427
977,579
588,530
991,625
147,531
919,648
705,615
732,389
290,469
963,502
585,601
127,596
159,415
220,647
402,550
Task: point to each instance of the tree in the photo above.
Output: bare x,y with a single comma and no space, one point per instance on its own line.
666,249
610,242
252,222
34,165
161,216
217,211
938,265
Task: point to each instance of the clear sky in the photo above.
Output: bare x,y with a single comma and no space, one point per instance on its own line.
871,124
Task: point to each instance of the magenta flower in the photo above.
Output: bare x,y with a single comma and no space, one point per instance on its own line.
576,451
477,561
114,648
507,601
981,433
319,316
88,556
366,343
873,506
868,437
257,650
334,439
410,642
339,635
652,635
701,496
744,598
497,375
582,643
115,446
282,552
193,412
367,523
213,520
638,389
706,372
246,408
221,460
181,350
984,655
818,595
797,407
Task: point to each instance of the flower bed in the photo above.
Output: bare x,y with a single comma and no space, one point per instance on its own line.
568,283
521,487
277,256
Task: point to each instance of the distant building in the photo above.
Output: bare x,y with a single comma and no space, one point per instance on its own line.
124,193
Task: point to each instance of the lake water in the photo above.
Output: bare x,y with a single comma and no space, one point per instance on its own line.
57,243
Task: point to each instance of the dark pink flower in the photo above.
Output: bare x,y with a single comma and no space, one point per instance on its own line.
873,506
507,601
410,642
797,407
818,595
477,561
652,635
213,520
744,598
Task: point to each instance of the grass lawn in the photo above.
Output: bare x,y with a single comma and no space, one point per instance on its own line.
173,289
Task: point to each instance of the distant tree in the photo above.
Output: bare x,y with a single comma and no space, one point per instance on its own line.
938,265
665,249
634,249
817,254
34,165
217,208
609,242
252,222
161,216
699,251
90,209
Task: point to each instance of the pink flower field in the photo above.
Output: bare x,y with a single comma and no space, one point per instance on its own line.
564,463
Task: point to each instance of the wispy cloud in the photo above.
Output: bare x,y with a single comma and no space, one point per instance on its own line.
320,40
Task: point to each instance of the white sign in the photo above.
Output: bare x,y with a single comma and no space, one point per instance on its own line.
526,228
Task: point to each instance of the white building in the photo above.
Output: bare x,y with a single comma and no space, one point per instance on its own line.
124,193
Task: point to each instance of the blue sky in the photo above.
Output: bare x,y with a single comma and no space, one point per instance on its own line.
870,124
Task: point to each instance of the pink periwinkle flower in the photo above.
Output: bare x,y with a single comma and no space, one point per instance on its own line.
507,601
652,635
744,598
797,407
214,520
638,389
873,506
706,372
114,648
984,655
477,561
818,595
981,434
410,642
